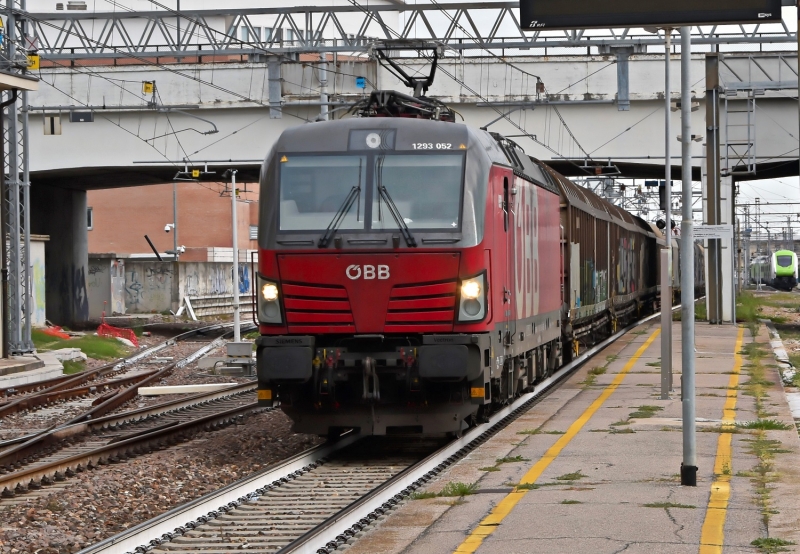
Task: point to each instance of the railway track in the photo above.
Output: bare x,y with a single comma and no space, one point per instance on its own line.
320,499
94,438
92,381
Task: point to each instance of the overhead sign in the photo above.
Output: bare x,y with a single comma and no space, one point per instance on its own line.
713,232
582,14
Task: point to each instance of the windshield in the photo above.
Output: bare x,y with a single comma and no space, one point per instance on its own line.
313,188
426,188
784,261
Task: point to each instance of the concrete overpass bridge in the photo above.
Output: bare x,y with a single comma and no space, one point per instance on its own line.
574,99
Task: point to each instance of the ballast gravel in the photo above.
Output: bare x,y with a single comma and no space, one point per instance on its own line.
99,503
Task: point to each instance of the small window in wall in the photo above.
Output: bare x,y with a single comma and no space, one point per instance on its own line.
254,232
52,124
89,219
251,36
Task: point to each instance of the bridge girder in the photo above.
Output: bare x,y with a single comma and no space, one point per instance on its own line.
461,26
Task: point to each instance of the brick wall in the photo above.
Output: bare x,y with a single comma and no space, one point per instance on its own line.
122,216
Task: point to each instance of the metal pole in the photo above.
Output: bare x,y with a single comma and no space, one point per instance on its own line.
4,199
323,86
175,219
714,277
236,334
689,464
666,273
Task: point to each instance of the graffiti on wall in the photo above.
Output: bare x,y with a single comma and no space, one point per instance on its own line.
244,278
627,266
148,287
80,296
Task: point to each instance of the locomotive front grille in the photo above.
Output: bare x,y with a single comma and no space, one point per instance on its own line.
421,308
317,309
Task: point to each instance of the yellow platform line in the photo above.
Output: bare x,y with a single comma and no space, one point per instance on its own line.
487,526
712,535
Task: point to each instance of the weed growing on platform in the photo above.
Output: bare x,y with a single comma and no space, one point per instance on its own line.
748,308
571,502
620,422
489,468
574,476
720,429
524,486
591,377
654,364
764,449
626,431
511,460
539,431
458,488
766,424
768,545
668,505
643,412
450,489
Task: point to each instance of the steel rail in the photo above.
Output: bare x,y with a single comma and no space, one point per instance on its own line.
18,452
62,394
164,528
60,383
117,451
222,500
133,416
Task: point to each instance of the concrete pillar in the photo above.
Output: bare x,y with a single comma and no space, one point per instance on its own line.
61,213
727,251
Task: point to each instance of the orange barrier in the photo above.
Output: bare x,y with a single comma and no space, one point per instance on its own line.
55,331
106,330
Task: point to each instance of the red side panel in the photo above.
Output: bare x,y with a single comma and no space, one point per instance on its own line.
549,263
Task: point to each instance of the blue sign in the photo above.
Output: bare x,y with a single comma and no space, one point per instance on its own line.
361,82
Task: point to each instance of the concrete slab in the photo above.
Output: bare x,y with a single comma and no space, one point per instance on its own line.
35,368
183,389
616,485
18,364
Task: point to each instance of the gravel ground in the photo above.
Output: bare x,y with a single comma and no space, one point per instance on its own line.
100,503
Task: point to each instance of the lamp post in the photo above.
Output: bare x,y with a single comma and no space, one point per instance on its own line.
236,332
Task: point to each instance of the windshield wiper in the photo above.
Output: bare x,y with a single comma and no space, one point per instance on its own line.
398,217
354,193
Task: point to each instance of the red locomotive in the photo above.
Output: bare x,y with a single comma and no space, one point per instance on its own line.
415,272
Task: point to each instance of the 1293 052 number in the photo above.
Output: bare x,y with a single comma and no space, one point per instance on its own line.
432,146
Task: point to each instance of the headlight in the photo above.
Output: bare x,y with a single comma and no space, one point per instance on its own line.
472,302
269,292
471,289
269,307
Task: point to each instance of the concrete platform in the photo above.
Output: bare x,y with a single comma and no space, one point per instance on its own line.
610,483
22,370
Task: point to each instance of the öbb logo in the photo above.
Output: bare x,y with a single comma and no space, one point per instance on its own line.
369,272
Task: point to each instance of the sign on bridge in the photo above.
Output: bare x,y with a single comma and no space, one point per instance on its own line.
713,232
582,14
